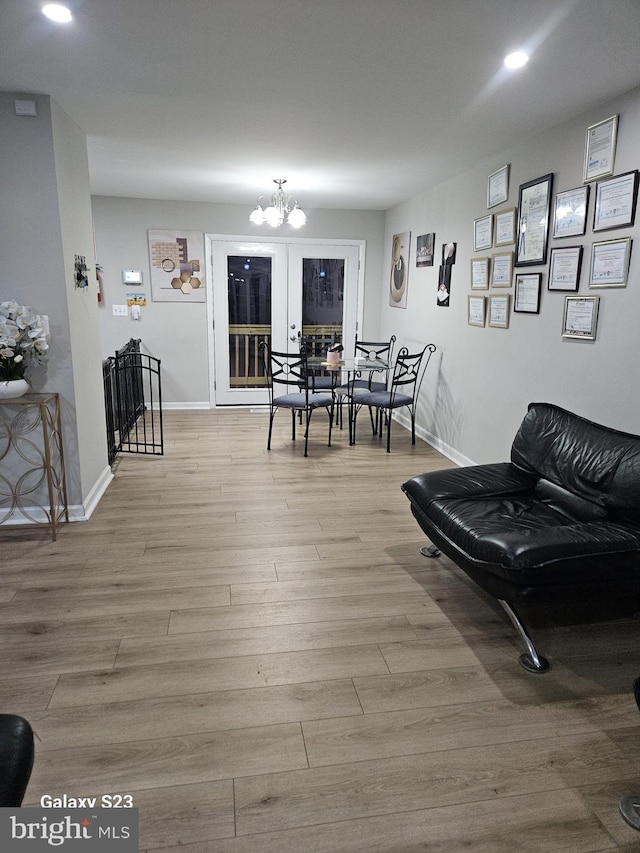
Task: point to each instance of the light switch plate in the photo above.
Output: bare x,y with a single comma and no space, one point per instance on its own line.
120,311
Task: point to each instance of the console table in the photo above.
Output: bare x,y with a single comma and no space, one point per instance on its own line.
32,462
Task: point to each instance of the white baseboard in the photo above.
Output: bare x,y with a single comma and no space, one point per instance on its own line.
186,406
435,442
93,498
77,512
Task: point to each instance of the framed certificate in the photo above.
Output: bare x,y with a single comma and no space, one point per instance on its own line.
498,187
570,212
616,202
534,205
564,269
502,269
580,317
483,233
476,310
600,149
504,232
499,311
479,273
610,263
527,295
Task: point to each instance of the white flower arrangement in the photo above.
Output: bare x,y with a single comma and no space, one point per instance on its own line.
22,338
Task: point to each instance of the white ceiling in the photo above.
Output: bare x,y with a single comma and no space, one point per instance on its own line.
358,103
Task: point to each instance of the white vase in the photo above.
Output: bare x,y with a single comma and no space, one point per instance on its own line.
12,388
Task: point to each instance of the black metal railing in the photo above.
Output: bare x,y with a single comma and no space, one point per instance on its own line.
133,402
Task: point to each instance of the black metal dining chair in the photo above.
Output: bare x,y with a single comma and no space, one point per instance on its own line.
408,372
315,348
286,372
372,351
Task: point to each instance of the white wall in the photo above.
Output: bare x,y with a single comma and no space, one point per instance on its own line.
477,390
176,333
46,220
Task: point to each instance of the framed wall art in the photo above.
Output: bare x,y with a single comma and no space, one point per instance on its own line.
564,268
527,292
444,286
483,233
570,212
504,231
498,187
580,317
479,273
176,266
425,247
534,206
610,263
615,205
502,269
399,270
499,311
600,149
476,310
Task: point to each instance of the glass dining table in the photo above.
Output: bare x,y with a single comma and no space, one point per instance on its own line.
345,374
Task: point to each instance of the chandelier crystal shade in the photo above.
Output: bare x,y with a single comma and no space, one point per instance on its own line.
280,207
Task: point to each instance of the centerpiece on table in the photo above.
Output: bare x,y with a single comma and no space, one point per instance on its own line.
23,339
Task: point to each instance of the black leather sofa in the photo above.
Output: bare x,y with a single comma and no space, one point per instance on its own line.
558,523
16,758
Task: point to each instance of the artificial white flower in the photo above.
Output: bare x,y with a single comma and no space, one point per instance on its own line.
21,334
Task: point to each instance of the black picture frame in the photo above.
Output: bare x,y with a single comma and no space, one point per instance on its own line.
527,292
570,212
616,199
534,211
565,267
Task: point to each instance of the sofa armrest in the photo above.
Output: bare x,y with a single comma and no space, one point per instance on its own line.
500,478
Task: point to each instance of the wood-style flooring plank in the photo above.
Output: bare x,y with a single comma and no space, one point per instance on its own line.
201,676
172,716
278,801
554,822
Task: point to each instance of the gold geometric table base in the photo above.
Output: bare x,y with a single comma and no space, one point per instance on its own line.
32,475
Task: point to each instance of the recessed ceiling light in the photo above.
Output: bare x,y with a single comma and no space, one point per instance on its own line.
516,60
56,12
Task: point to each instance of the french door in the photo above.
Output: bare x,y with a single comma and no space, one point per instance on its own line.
277,292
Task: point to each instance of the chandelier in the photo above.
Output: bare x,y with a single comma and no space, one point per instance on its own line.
280,207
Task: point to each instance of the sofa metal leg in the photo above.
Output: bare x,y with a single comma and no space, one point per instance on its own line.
531,661
630,810
430,551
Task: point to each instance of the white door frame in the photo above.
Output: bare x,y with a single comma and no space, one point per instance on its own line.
254,244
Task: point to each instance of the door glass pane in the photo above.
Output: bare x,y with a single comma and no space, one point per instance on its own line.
322,302
249,295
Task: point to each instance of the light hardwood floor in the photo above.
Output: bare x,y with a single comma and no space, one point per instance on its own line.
252,645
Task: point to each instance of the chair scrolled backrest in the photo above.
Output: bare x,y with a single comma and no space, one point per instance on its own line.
382,350
409,370
284,368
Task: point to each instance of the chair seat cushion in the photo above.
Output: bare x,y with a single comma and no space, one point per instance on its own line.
299,401
321,383
385,400
359,387
523,540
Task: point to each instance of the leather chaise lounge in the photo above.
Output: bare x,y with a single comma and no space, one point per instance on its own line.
557,524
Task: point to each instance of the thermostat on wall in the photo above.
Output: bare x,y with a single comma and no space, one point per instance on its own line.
131,276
